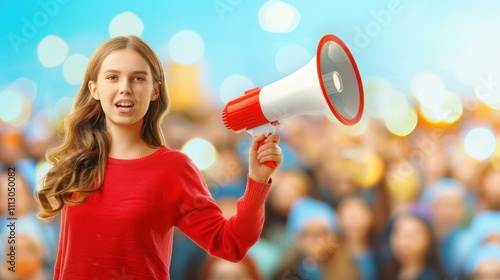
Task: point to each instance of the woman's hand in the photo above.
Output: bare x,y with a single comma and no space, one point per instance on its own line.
270,151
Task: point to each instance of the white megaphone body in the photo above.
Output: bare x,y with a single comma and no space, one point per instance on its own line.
328,84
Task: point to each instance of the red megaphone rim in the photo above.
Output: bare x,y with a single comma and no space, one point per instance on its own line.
342,119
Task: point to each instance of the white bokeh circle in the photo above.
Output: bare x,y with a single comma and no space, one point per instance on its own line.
278,17
479,143
52,51
27,86
290,58
186,47
234,86
201,151
74,68
125,24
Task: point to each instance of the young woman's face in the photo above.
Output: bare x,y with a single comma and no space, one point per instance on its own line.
448,210
409,240
288,189
125,87
355,218
317,241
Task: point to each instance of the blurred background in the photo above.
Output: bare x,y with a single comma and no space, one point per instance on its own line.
410,192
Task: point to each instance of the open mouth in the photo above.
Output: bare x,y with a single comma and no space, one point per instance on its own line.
124,106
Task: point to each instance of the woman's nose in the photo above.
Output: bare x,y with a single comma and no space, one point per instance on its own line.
125,87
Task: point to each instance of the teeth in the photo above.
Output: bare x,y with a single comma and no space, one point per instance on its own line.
125,104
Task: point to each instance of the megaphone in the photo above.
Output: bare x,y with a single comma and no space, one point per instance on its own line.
328,84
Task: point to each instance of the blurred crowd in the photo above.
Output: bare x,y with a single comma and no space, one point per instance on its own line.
343,205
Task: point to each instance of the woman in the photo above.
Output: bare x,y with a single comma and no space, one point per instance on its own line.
357,227
120,190
414,250
317,254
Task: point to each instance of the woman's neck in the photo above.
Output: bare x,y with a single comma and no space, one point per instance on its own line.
410,270
127,142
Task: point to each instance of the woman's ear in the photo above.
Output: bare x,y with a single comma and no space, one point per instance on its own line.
156,91
93,90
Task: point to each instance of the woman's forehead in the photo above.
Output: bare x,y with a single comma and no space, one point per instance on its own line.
125,61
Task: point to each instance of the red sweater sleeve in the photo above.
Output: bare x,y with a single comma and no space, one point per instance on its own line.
200,218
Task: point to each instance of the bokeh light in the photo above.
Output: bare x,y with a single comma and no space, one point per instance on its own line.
27,86
63,108
400,117
352,130
74,68
41,169
52,51
125,24
436,103
480,142
403,122
15,109
377,96
201,151
42,126
366,168
291,57
426,84
186,47
278,17
446,107
234,86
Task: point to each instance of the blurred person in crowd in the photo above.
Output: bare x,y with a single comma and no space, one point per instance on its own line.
483,229
397,193
29,262
334,178
414,250
289,186
430,158
449,205
114,142
488,187
25,213
31,250
318,253
484,263
357,228
25,204
218,269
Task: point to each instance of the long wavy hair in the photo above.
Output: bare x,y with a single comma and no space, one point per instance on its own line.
79,162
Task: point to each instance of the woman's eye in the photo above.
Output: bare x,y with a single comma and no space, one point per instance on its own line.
112,78
138,79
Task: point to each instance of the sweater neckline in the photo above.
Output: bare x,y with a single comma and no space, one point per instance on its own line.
139,159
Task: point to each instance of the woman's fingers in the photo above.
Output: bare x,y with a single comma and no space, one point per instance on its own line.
270,154
275,138
255,141
266,146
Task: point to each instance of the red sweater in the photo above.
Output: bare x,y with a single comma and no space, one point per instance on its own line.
124,230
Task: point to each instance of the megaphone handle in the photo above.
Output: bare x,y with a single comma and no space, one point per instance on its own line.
265,129
271,164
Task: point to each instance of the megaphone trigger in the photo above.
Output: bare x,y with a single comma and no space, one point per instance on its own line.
266,129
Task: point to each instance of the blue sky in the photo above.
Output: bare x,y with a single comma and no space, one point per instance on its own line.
392,39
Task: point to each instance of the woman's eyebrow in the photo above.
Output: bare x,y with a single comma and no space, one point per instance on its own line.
134,72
